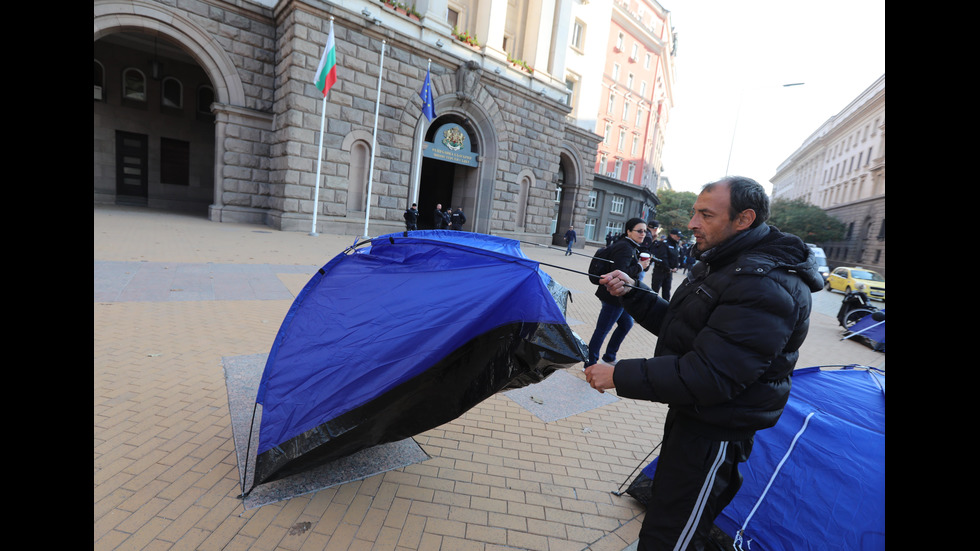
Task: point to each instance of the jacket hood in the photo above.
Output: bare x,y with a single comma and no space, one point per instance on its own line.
767,247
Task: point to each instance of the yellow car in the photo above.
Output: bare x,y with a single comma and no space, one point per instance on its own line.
857,279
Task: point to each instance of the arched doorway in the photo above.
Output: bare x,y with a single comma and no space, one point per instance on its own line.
186,42
154,128
569,182
450,174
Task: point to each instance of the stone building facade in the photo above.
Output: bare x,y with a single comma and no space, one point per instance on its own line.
210,107
841,169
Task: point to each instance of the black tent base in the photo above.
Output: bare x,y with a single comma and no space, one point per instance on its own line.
640,490
242,376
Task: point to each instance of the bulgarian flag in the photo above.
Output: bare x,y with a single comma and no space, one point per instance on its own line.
326,72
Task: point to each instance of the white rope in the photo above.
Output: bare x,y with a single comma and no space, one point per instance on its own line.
736,544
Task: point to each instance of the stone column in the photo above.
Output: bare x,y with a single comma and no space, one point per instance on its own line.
241,159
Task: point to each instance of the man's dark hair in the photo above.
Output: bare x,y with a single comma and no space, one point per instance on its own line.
746,193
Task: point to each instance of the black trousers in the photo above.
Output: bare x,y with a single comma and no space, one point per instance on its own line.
660,282
696,477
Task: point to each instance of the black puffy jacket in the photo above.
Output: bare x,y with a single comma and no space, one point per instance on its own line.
729,338
625,256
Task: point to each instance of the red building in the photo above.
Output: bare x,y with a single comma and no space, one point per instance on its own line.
637,93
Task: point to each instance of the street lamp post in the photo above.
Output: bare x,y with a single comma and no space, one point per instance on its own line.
731,146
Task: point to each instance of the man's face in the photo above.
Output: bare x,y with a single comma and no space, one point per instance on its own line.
710,222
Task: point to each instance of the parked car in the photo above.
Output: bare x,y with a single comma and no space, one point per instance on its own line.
855,278
821,261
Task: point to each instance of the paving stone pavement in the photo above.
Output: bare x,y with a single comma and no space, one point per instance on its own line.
174,293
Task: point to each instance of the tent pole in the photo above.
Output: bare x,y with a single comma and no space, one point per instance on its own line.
619,491
248,448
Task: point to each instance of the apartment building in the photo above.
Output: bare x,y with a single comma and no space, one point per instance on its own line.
628,104
841,169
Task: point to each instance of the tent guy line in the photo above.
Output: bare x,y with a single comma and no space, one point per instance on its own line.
391,239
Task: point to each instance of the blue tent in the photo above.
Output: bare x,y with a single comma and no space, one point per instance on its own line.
390,340
869,330
816,480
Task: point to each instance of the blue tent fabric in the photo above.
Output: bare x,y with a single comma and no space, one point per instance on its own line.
870,330
392,339
816,480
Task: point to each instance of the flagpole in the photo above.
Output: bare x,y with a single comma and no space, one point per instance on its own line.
374,141
418,159
319,159
328,62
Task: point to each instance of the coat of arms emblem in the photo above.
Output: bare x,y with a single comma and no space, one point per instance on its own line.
453,138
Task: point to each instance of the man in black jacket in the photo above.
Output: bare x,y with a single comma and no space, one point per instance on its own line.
412,218
457,219
668,250
438,218
726,347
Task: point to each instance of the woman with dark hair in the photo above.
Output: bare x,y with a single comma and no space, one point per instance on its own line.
624,254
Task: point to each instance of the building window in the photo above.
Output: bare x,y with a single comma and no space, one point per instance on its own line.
98,76
626,110
134,85
452,17
205,97
173,93
622,140
629,81
578,35
611,104
614,228
636,145
571,87
615,72
593,199
631,172
617,205
175,162
646,61
605,135
617,169
619,42
590,224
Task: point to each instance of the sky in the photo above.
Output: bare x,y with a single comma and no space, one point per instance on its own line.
731,110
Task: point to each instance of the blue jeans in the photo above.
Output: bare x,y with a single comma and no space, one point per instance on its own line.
608,316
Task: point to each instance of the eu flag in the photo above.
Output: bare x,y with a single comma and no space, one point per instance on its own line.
426,94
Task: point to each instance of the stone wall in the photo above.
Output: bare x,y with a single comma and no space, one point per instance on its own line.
268,116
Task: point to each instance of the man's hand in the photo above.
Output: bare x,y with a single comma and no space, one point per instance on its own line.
600,376
616,283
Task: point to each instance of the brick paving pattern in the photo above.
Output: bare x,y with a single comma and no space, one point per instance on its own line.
175,293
